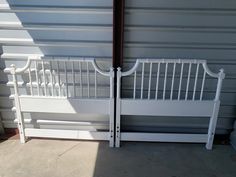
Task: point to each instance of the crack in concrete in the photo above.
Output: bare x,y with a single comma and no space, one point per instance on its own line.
67,150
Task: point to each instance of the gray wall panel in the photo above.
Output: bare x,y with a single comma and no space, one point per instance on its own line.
53,28
183,29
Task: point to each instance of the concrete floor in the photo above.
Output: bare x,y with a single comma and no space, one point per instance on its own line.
63,158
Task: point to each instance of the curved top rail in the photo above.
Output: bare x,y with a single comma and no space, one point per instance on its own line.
99,70
187,61
220,75
138,61
132,70
162,60
75,59
15,70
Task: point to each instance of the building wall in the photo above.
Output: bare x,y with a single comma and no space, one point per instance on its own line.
58,28
153,29
183,29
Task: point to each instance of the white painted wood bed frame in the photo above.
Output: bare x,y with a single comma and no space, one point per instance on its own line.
59,101
181,105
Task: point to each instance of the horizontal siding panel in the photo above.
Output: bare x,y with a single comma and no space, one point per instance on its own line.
82,51
182,4
156,18
86,35
180,52
178,37
86,18
58,3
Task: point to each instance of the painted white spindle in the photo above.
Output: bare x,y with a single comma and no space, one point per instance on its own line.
88,80
44,79
172,82
150,81
73,77
142,81
59,78
135,80
157,81
81,80
30,80
95,83
203,84
65,70
188,80
165,80
180,80
195,82
37,77
51,78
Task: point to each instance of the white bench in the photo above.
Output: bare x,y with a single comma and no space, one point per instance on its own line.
50,93
175,88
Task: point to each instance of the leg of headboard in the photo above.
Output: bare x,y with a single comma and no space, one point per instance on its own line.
18,108
118,108
118,123
212,125
111,122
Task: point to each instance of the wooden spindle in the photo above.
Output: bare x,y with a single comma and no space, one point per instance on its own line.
142,81
51,78
81,80
135,80
44,79
95,83
37,77
195,82
59,78
88,80
188,80
203,83
165,80
65,70
150,81
73,77
172,82
157,81
30,80
180,80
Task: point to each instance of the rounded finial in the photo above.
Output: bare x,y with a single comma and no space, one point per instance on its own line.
13,65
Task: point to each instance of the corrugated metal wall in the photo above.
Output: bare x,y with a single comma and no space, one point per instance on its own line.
53,28
183,29
153,29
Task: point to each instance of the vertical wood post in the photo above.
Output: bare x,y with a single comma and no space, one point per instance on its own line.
214,117
112,109
118,120
17,105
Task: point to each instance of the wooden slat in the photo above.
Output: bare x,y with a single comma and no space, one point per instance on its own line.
162,107
164,137
67,134
64,105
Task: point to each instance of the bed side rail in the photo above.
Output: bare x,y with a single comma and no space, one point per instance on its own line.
70,77
169,79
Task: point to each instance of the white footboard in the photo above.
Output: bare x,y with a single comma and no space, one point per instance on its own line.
168,87
64,86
